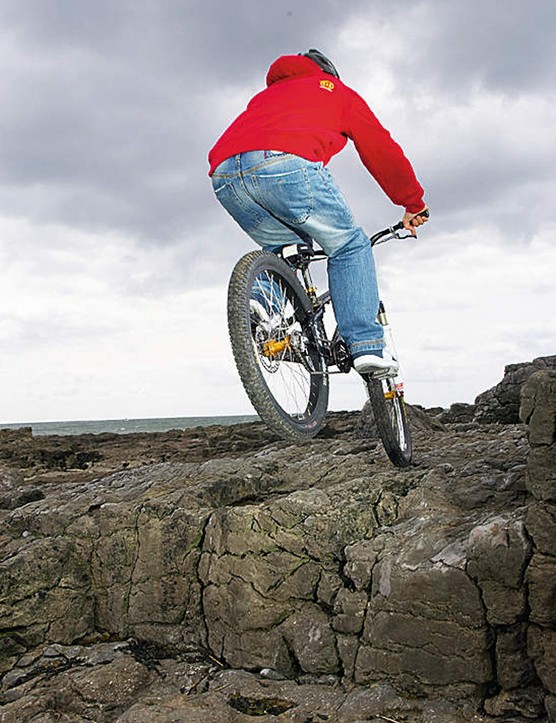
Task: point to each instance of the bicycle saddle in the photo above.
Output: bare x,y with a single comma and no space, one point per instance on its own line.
297,252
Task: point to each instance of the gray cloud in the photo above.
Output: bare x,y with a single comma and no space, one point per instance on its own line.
116,254
106,126
505,47
110,108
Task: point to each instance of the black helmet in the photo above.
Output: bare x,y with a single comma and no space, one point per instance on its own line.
322,61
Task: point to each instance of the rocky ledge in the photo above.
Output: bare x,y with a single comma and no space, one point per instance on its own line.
220,574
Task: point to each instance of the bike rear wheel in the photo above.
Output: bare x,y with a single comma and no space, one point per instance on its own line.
280,366
390,415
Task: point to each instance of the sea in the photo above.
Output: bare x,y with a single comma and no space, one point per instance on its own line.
127,426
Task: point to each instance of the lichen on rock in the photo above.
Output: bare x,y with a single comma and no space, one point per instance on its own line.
318,576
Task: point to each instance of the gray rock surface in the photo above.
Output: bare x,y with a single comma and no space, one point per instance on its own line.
292,583
538,410
502,402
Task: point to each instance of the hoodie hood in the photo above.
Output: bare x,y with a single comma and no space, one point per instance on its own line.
291,66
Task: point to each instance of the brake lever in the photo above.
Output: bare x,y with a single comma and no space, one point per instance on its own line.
397,228
424,214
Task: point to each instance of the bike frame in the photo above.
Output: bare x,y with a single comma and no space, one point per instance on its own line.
300,256
284,358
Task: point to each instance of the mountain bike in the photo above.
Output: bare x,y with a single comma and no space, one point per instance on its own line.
285,356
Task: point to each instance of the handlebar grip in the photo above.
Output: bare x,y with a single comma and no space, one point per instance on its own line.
424,214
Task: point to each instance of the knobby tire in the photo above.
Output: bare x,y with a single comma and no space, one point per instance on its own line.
391,419
261,371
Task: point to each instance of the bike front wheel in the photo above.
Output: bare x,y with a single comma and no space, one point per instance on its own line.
387,402
276,354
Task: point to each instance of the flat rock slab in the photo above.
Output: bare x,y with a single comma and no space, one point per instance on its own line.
283,582
123,682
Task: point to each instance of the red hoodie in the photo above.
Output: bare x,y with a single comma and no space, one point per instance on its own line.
311,114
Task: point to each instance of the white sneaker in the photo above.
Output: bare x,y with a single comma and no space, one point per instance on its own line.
376,365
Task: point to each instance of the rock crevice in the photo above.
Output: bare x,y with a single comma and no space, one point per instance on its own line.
321,564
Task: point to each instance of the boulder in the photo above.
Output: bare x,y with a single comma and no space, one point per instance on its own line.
502,402
270,579
538,410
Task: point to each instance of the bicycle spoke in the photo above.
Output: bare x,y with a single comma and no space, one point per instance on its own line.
391,419
282,369
292,388
393,405
288,379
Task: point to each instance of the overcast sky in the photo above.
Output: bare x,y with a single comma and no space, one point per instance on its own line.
115,257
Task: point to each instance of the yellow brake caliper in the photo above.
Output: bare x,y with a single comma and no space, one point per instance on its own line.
273,348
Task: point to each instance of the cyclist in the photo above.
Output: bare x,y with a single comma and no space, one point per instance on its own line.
268,171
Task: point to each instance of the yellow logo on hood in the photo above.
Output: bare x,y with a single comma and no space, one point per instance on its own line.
327,85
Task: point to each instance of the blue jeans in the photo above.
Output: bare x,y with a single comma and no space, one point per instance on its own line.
278,198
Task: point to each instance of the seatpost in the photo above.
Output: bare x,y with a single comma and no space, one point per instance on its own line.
309,285
299,257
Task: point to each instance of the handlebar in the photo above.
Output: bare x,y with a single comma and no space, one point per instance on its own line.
393,231
305,253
